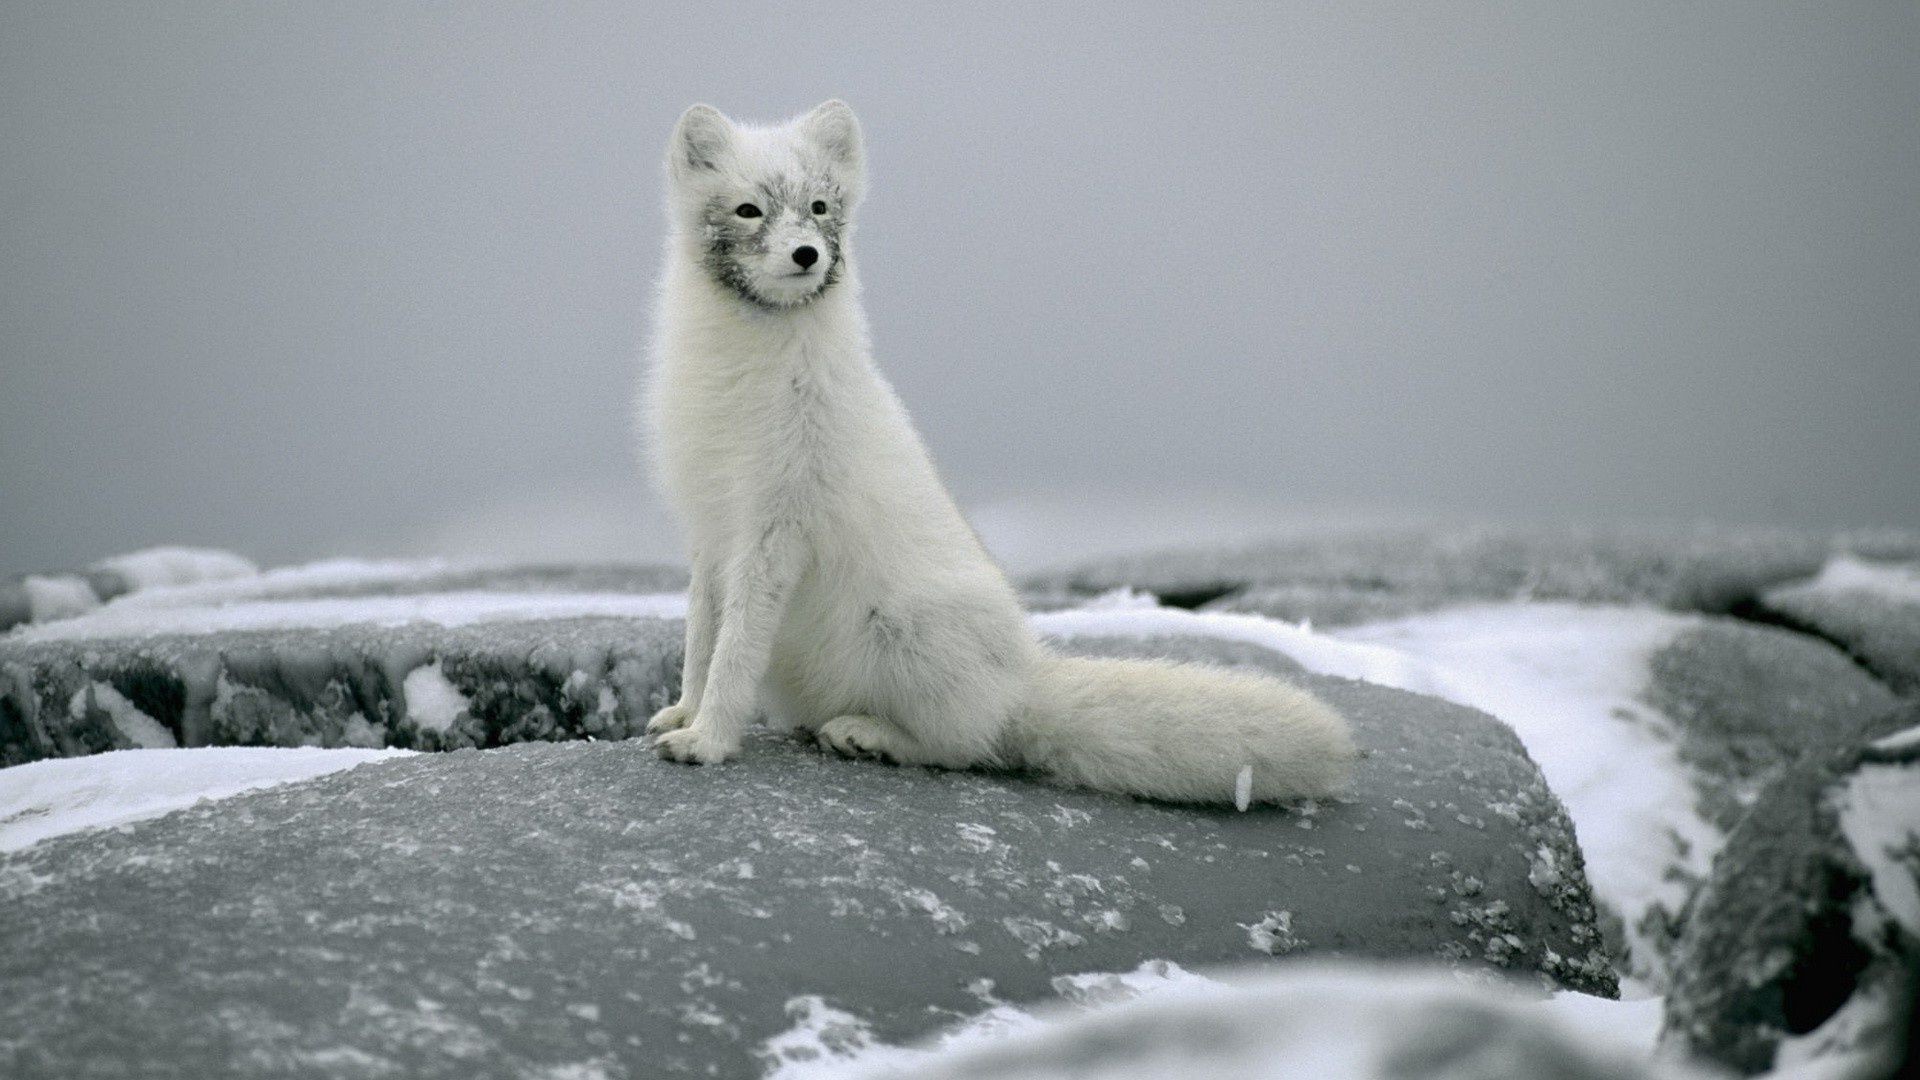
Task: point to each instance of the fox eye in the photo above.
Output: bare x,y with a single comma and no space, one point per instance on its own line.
747,209
819,207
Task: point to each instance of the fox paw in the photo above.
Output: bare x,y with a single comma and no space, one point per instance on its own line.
672,718
695,745
859,737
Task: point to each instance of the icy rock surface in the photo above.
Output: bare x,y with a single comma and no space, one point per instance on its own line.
1870,608
340,685
1336,579
587,907
1796,922
1749,701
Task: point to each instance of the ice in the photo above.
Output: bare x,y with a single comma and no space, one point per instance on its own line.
51,798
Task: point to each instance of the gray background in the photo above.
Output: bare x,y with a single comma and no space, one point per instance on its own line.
320,279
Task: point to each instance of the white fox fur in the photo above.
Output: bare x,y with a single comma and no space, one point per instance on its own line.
835,583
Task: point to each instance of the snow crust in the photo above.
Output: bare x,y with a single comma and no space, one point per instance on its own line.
44,799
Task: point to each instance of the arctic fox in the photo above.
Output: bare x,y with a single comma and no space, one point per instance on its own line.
835,583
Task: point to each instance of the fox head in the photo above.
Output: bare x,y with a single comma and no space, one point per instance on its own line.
767,210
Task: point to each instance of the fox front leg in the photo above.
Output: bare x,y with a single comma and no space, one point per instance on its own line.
703,622
754,597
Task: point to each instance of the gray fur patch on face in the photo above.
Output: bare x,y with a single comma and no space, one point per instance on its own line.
737,247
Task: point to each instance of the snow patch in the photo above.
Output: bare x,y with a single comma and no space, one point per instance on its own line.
433,702
1330,1021
1846,574
1879,810
171,566
43,799
826,1041
1353,659
1569,679
57,596
135,726
148,614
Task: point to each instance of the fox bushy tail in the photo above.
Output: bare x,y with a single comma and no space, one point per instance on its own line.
1180,732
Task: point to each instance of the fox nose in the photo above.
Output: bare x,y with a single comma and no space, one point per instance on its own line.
806,256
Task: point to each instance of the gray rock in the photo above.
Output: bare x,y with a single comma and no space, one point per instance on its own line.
1880,632
536,680
1335,578
518,911
1750,701
1785,932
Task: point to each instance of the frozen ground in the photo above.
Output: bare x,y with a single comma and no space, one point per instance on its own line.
1633,709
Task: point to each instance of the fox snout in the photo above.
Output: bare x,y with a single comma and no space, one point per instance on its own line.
806,255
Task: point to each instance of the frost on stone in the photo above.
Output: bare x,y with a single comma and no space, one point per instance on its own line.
433,703
340,686
1272,934
135,727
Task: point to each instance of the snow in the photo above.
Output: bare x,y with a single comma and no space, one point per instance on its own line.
1900,741
1879,809
137,727
149,614
1846,574
1328,655
433,702
172,566
1569,680
57,596
1324,1019
826,1041
1631,1023
44,799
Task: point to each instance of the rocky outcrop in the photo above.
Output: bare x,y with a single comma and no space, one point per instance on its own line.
588,906
1336,579
1798,922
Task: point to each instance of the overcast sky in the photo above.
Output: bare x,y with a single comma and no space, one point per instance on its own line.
312,279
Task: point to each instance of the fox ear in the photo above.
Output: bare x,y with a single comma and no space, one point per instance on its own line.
832,129
702,142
